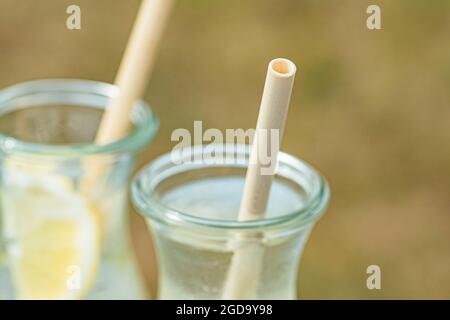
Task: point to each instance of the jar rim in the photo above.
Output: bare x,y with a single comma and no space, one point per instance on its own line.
143,132
151,207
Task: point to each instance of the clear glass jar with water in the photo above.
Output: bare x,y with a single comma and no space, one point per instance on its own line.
191,201
64,230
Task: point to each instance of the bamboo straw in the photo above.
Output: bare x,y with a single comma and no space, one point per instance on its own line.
135,69
132,77
246,264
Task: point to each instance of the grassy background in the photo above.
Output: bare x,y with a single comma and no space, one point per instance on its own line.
370,110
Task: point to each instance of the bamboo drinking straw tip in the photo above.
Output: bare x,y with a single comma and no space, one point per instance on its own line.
282,67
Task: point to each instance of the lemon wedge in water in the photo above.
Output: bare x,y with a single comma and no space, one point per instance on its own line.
54,248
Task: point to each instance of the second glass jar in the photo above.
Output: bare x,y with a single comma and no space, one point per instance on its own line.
191,201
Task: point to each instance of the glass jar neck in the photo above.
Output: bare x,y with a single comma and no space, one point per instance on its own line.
66,109
166,173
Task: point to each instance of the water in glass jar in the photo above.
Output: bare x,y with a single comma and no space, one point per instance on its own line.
194,264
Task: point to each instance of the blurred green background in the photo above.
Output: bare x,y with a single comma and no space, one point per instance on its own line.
370,110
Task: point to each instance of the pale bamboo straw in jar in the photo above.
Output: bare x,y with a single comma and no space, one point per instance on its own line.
132,78
243,277
135,69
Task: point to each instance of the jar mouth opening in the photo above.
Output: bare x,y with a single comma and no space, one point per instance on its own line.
82,92
150,205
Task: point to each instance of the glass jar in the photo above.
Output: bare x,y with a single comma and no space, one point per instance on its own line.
191,200
63,199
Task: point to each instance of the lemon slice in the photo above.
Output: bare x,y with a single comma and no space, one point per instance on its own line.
54,250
